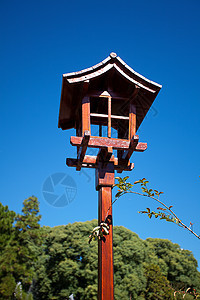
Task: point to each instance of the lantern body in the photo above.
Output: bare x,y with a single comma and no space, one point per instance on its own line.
106,105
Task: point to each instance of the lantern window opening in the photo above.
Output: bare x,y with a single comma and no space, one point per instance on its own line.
99,130
109,112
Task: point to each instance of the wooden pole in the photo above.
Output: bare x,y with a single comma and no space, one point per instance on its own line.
104,183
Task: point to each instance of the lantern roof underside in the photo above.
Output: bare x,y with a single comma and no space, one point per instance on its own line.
112,75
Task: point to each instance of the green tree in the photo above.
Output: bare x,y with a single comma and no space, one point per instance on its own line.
68,264
29,237
7,235
180,266
20,252
7,218
157,286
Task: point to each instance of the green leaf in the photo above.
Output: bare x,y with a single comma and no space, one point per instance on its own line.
118,194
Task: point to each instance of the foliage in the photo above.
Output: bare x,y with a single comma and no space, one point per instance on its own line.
67,264
53,263
158,287
20,250
164,212
7,218
180,266
99,231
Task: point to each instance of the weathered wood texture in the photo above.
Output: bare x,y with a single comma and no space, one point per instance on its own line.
82,150
105,180
91,162
132,146
85,115
109,117
113,75
132,121
102,142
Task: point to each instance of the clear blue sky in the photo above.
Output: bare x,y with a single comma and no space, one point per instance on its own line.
41,40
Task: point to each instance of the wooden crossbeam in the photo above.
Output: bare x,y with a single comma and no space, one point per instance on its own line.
82,149
90,161
103,142
132,146
104,155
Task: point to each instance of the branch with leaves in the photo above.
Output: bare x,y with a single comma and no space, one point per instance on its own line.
99,232
163,212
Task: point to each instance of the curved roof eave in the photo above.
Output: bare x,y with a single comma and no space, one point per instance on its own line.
113,61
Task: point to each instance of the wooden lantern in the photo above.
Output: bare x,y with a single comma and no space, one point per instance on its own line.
106,105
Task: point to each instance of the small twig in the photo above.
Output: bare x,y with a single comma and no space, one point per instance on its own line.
125,188
169,209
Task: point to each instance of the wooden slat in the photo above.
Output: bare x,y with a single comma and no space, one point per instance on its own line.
102,142
82,149
91,162
97,93
106,116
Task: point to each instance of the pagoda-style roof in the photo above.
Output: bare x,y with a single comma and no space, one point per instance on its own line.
112,75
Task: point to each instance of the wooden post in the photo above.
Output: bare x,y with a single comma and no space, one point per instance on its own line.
109,117
85,115
132,121
104,182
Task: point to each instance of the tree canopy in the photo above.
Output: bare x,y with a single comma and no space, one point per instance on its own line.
53,263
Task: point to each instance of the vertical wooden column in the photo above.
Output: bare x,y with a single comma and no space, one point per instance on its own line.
85,115
109,117
104,182
132,121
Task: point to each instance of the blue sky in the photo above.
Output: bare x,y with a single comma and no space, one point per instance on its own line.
40,41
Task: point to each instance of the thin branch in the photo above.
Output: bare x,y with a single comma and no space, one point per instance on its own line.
183,225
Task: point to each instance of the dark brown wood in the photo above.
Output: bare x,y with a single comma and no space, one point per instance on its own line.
105,181
102,142
133,144
100,130
104,155
113,94
82,150
91,162
113,75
